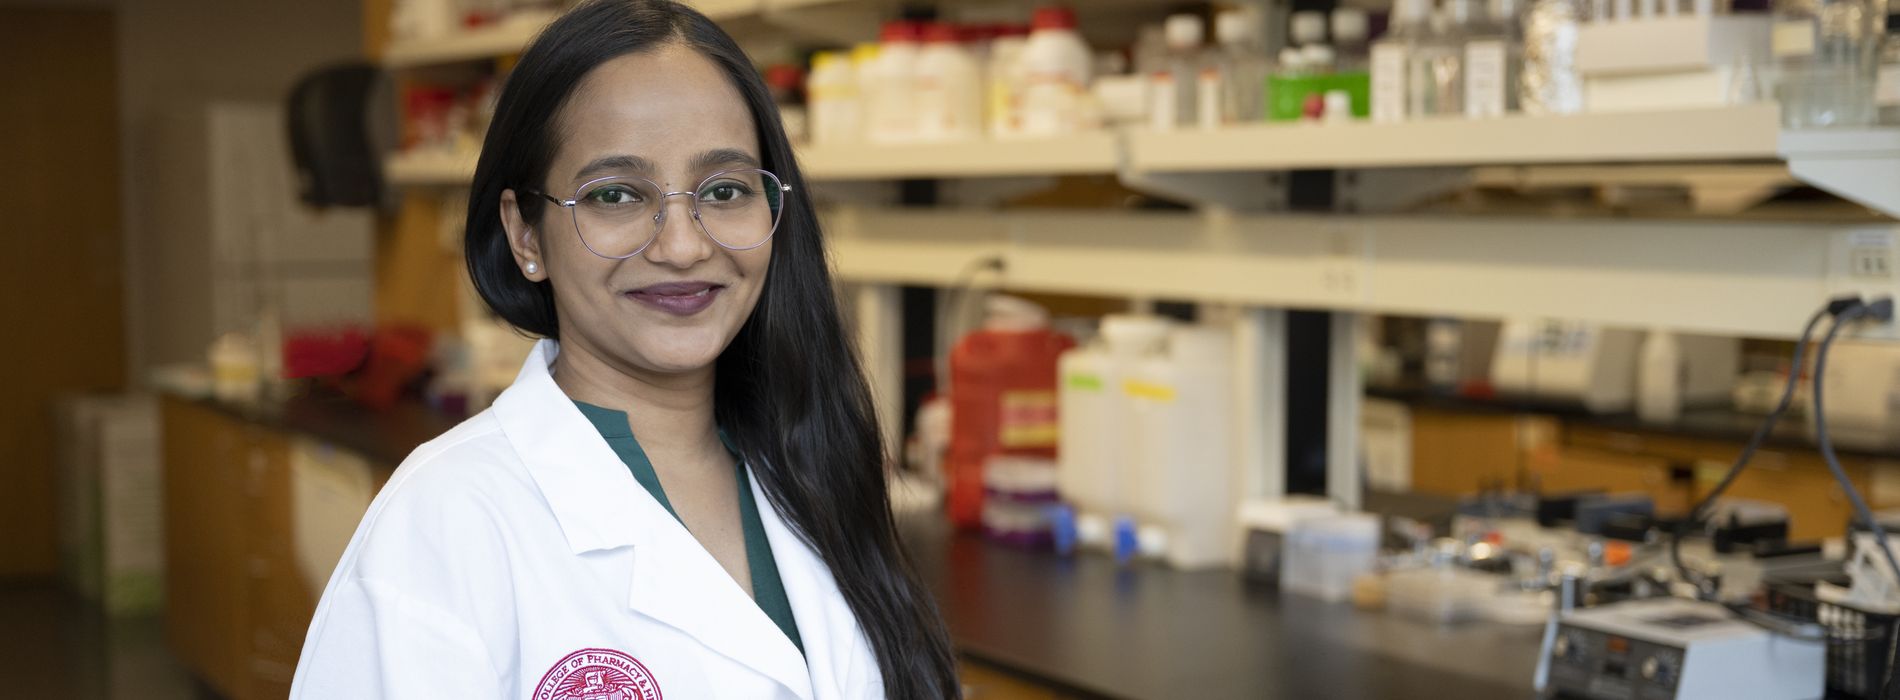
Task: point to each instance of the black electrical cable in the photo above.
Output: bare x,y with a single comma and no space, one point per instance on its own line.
1826,445
1699,513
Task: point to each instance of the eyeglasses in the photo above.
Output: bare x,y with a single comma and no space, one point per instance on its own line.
618,217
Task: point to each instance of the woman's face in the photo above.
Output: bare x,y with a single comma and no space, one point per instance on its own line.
672,117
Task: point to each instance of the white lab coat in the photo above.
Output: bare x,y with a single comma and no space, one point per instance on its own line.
515,556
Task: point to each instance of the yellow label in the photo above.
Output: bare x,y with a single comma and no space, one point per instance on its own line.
1148,390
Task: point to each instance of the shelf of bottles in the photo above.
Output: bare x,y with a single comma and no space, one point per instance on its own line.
1459,83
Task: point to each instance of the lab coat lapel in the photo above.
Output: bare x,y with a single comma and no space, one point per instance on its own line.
600,507
677,582
834,647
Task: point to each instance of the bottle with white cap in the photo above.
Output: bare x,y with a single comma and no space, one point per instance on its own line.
1308,28
1494,55
1244,64
1057,67
1173,91
1437,66
1351,28
1392,59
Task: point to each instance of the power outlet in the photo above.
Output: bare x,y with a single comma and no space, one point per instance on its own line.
1866,261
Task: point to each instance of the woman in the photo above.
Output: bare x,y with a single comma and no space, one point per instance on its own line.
682,495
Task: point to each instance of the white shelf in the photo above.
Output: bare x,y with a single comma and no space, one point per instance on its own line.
1094,153
1683,275
430,169
506,38
1737,133
1861,165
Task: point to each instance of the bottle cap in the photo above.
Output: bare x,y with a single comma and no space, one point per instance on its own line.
900,31
1185,31
1309,27
941,33
826,59
1053,17
1412,11
1236,25
1350,25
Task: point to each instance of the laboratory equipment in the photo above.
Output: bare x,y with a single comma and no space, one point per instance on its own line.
1863,395
948,88
1435,81
1181,402
1057,67
1494,53
1005,79
1572,362
835,105
1680,62
1243,64
1096,466
891,99
1859,640
1174,90
1826,61
1002,397
1392,60
1550,82
1325,554
1682,649
1267,524
1018,492
1684,371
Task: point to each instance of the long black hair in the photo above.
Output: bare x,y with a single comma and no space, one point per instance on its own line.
789,388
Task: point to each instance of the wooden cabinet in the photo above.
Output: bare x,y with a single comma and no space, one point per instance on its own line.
1797,479
1571,468
205,568
1457,454
237,607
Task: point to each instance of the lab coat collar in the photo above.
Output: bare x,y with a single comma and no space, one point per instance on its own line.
829,628
593,496
600,506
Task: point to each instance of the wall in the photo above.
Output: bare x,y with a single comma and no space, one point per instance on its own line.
62,294
175,58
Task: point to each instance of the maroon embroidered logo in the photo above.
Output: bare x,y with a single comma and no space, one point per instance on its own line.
598,674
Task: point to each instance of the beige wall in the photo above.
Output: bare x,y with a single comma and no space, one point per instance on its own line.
175,57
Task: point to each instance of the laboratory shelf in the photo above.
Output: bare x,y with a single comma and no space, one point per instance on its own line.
1724,134
504,38
430,169
512,35
1085,153
1861,165
1661,273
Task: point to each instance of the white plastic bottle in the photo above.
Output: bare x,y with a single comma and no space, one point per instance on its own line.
1057,66
1350,31
832,94
1244,65
892,101
1392,60
1004,82
1095,465
949,87
1494,54
1184,485
1660,378
1174,91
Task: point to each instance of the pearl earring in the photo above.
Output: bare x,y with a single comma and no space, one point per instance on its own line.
533,268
